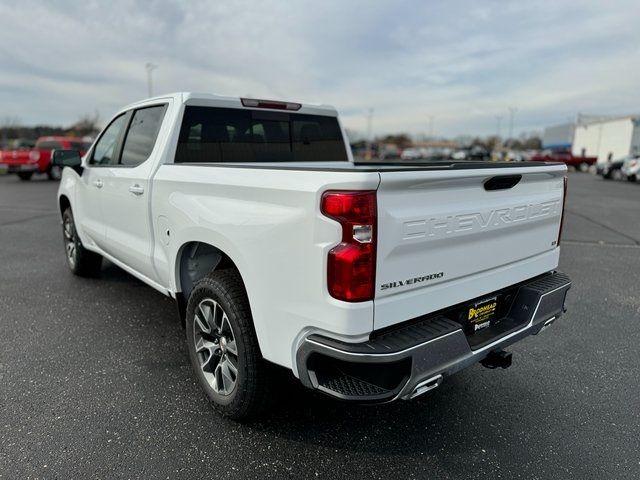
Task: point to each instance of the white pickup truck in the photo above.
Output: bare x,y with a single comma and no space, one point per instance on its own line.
370,282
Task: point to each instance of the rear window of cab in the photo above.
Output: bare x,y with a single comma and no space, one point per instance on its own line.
230,135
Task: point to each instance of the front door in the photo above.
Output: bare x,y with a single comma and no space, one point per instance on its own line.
89,214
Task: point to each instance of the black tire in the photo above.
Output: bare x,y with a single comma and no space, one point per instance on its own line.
25,175
250,394
81,261
632,178
54,172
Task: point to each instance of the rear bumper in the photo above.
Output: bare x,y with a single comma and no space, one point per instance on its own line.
418,355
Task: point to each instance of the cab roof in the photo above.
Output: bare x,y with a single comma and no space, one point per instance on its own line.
208,99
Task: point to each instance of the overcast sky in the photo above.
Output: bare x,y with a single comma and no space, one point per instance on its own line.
462,62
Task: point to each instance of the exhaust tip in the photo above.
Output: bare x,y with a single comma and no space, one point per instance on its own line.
426,385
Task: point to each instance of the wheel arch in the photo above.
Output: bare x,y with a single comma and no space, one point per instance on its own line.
63,203
195,260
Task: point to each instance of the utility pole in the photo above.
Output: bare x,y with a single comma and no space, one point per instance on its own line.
431,127
368,153
150,67
498,132
512,114
498,125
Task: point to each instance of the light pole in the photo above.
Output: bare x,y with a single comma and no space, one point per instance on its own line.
149,67
512,114
369,139
498,125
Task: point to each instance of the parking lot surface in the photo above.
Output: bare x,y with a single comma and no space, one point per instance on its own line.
95,379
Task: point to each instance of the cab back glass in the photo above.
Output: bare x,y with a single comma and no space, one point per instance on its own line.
210,134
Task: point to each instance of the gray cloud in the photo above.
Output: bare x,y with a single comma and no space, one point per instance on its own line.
461,62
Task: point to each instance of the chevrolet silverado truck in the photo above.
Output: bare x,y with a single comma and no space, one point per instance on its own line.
37,159
582,163
369,282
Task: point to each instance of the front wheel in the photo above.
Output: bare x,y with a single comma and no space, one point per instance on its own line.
223,347
81,261
25,175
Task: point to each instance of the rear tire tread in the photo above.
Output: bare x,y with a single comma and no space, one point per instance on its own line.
253,390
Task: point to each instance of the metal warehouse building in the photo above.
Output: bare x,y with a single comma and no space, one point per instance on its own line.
609,138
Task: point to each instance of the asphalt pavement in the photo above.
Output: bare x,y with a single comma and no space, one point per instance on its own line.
95,380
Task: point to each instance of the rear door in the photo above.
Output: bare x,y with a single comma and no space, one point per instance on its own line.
449,236
125,200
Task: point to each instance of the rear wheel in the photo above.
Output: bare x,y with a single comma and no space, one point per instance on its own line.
632,178
25,175
223,347
81,261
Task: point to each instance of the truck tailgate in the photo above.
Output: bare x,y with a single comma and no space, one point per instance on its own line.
444,237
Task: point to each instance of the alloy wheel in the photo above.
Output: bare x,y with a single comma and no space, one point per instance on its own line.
70,241
215,345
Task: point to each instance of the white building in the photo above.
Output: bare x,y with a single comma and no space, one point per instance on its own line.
609,138
559,137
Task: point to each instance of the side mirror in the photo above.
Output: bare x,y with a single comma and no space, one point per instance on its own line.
67,158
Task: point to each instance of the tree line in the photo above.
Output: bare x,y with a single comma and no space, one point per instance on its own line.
11,128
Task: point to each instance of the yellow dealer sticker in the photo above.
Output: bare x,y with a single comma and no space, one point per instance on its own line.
481,313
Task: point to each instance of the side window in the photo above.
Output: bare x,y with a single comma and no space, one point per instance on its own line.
142,134
105,150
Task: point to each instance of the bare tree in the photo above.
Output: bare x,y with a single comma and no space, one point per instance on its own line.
87,124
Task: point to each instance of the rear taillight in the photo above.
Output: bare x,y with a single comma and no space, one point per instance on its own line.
564,202
351,267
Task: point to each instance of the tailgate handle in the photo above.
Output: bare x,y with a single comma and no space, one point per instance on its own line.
502,182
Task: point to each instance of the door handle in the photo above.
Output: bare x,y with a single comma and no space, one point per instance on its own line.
98,183
136,189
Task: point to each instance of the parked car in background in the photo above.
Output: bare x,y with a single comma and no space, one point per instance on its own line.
13,149
566,157
631,168
516,156
611,170
426,154
475,152
25,158
412,153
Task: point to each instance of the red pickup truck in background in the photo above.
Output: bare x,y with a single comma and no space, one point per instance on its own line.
26,161
580,163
